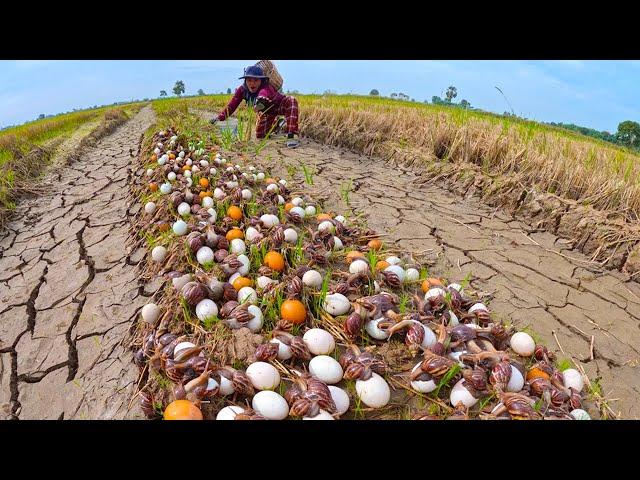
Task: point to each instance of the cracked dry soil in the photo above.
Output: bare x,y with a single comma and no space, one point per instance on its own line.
69,291
528,277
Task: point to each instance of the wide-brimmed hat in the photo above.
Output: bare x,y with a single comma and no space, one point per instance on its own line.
253,72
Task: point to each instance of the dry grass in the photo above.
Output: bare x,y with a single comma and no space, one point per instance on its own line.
511,161
26,150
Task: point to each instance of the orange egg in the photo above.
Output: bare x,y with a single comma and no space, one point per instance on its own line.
323,216
172,156
234,233
275,261
240,282
163,227
430,283
270,180
293,311
353,254
186,167
374,244
536,372
153,187
288,206
234,212
154,157
381,265
204,183
182,410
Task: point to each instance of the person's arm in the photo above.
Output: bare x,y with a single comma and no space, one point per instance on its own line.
265,100
233,104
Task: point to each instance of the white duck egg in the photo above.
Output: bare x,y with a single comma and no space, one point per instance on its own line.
271,188
312,278
456,356
246,194
319,341
322,415
290,235
423,386
573,379
325,369
247,294
206,309
397,270
184,209
204,255
149,172
579,414
226,386
434,292
336,304
213,215
180,282
251,235
162,160
283,182
297,211
263,376
268,220
393,260
284,352
171,176
229,413
297,201
372,329
375,392
182,346
159,253
478,306
150,312
165,188
325,226
204,163
459,393
150,208
244,269
262,282
522,344
280,200
453,319
180,227
189,182
260,176
358,266
187,174
340,398
157,149
340,219
457,286
238,246
337,243
429,339
310,210
412,275
270,405
207,202
218,193
516,382
233,277
255,324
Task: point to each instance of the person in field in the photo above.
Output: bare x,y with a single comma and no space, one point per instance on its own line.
268,103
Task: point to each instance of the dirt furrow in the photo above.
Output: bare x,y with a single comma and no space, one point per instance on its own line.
62,351
528,277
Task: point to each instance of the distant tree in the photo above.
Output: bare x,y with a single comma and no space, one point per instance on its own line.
436,100
163,93
228,91
200,91
465,104
413,99
374,92
178,88
41,116
394,95
628,134
452,92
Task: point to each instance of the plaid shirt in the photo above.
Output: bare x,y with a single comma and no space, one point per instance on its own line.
267,95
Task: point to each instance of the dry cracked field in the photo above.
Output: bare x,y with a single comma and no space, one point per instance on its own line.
69,288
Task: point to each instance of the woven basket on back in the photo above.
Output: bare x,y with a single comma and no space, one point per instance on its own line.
271,71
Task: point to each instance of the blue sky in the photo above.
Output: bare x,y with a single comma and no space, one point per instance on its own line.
596,94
